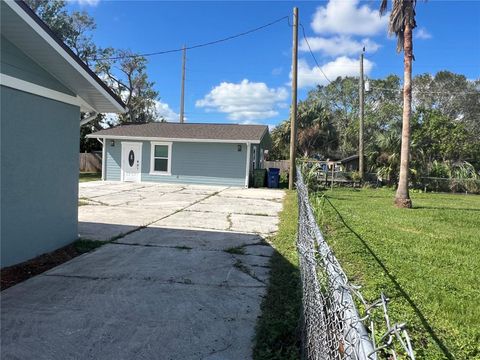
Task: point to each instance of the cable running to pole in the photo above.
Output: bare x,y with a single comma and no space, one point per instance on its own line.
198,45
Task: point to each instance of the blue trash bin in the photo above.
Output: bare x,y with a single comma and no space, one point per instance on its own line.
273,178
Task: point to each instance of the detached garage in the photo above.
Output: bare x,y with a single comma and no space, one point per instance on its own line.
215,154
44,88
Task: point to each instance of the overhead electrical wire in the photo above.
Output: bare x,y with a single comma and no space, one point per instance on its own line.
313,56
209,43
374,88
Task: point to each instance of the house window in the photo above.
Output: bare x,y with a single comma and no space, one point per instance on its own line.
254,158
161,158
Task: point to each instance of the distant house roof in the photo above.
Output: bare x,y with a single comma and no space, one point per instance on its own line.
30,34
190,132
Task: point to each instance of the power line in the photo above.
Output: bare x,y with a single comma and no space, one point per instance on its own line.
375,88
198,45
311,53
424,92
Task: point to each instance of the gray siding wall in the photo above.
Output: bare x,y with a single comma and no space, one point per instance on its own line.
15,63
194,163
39,175
265,144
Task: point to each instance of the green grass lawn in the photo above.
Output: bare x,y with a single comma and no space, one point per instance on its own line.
89,177
278,332
426,259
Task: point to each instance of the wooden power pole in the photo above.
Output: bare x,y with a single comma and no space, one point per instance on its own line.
182,96
360,130
293,110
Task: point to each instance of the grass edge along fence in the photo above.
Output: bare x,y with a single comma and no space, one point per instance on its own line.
332,326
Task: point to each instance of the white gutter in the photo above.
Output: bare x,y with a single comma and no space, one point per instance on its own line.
247,166
167,139
88,119
63,53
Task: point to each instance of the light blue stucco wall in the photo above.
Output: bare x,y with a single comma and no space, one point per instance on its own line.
15,63
39,175
114,158
192,163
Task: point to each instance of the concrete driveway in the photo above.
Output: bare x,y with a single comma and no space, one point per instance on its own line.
182,277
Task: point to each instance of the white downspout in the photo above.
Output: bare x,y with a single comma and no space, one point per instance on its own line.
104,157
247,166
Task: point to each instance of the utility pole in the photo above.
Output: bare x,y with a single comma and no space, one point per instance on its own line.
360,131
182,96
293,113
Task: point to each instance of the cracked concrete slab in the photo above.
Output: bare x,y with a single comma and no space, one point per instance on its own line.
238,206
170,286
158,264
195,239
98,222
195,220
257,224
266,194
77,318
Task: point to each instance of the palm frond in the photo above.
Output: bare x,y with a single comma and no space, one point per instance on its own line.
383,7
403,13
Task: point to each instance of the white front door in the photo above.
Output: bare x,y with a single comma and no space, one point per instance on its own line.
131,161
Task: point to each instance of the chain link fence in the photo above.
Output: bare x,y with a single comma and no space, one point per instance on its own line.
333,328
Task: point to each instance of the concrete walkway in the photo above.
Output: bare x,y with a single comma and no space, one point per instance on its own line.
182,279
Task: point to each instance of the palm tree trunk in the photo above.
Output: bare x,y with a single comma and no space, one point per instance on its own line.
402,198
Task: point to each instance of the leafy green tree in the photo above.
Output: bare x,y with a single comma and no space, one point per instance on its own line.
74,29
442,138
341,99
453,95
316,134
126,74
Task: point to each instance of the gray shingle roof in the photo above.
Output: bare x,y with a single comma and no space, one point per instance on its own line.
186,131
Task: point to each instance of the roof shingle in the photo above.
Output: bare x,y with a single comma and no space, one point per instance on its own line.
186,131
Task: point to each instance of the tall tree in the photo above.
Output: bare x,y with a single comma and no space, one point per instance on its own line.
401,23
126,74
316,134
74,28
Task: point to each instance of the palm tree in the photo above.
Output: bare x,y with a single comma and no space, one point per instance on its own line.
402,22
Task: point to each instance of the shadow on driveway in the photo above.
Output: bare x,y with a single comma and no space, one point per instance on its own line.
156,293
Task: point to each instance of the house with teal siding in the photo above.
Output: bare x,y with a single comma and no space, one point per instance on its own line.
44,89
187,153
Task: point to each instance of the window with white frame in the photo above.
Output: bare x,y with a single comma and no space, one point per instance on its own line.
161,158
261,158
254,158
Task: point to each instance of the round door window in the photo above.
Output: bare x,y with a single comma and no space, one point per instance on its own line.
131,158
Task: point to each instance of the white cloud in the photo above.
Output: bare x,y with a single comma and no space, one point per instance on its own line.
164,110
347,17
87,2
422,33
341,66
245,101
338,45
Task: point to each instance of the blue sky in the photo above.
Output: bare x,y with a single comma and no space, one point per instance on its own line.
246,80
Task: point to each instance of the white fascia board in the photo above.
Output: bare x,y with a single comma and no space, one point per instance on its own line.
139,138
38,29
26,86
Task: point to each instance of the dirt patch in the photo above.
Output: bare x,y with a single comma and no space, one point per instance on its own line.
15,274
